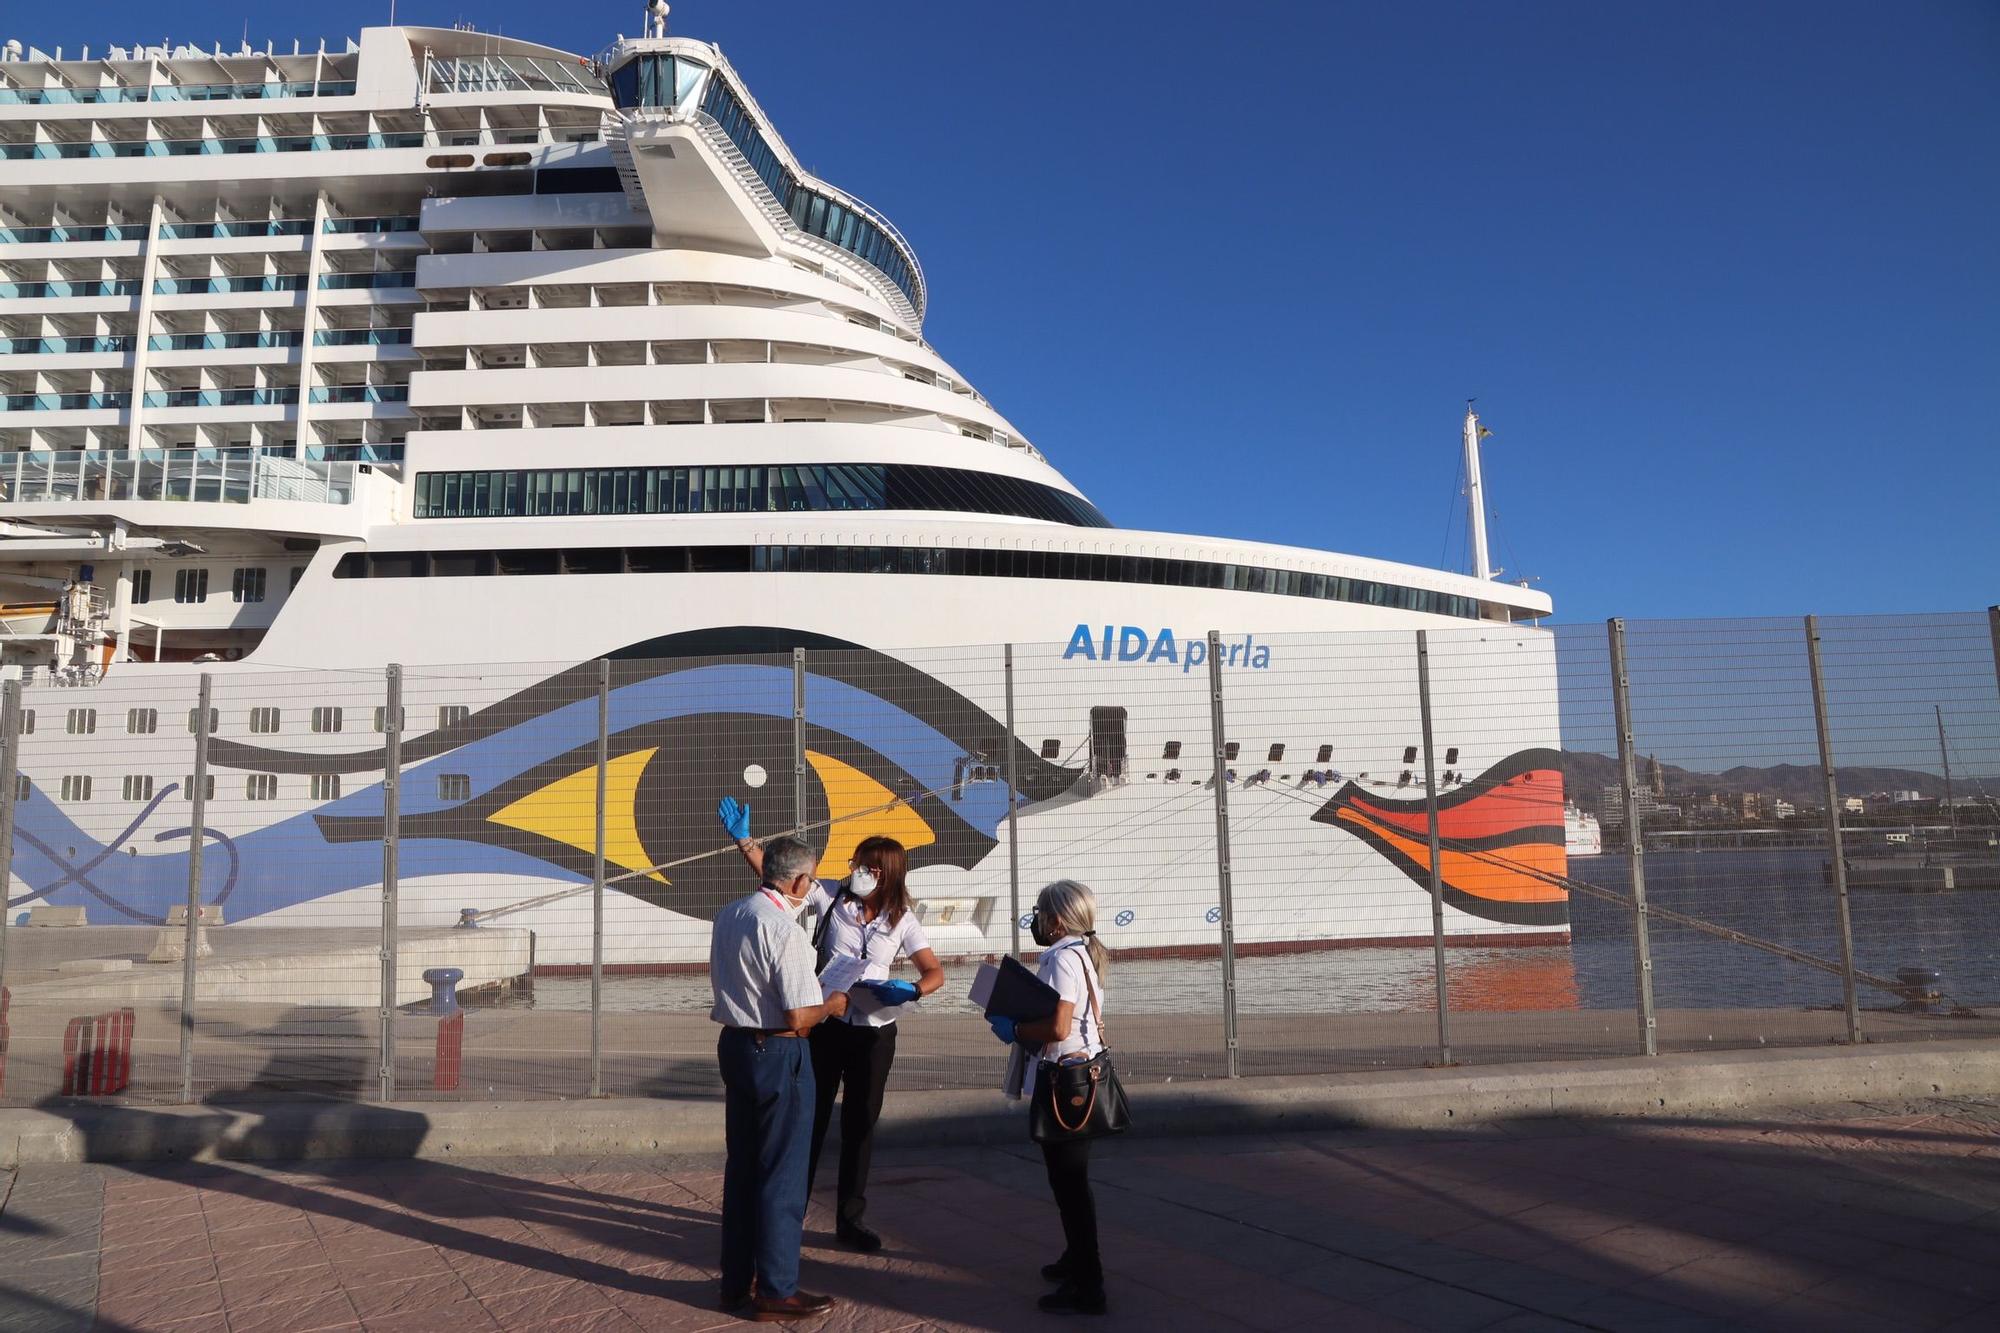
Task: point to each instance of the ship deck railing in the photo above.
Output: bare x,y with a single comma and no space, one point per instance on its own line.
224,476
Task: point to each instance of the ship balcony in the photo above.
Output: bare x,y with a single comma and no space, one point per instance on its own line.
217,476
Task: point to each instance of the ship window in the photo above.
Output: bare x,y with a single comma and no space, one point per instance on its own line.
138,787
207,788
325,719
298,573
27,721
454,786
1409,754
452,715
76,786
382,715
399,565
1173,750
23,788
214,720
1231,750
528,562
717,488
1325,755
263,721
247,585
190,585
81,722
142,585
326,786
1052,749
260,787
1277,754
1451,755
142,721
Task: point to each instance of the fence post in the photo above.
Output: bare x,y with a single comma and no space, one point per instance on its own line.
197,837
10,775
799,743
1013,803
392,800
1225,906
597,882
1628,777
1833,832
1431,824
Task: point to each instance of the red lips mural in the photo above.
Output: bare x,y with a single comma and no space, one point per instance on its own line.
1500,838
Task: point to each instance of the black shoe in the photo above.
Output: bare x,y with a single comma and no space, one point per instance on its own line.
1072,1299
1057,1271
784,1309
857,1237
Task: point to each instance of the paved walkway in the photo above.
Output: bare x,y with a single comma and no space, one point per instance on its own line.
1838,1218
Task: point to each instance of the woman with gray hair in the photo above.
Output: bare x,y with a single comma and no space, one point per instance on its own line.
1064,923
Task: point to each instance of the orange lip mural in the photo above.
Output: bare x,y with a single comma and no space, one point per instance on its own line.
1500,835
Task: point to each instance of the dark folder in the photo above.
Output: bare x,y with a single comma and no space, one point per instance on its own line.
1021,995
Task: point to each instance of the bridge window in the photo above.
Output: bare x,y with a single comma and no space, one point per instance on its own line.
247,585
138,787
76,786
82,722
326,786
261,787
142,721
263,721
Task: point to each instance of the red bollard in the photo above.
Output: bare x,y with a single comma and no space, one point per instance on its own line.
76,1054
450,1050
97,1054
124,1023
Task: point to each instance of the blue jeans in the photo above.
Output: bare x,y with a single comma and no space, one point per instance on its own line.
768,1099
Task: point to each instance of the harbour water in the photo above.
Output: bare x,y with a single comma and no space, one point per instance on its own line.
1774,895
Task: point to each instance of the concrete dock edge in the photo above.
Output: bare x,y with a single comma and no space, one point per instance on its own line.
1665,1086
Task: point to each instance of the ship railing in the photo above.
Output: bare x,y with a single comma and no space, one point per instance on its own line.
774,208
218,476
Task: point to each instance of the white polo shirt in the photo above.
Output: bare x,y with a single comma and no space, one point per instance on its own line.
1065,965
760,964
851,935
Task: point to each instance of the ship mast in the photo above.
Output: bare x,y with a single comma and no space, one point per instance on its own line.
1475,499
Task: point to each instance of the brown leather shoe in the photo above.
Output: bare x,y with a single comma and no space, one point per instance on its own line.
800,1305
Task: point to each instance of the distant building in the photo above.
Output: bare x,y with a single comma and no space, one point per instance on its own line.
1613,807
1656,777
1782,808
1854,805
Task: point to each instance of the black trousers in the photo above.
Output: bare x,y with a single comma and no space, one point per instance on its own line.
1069,1180
852,1060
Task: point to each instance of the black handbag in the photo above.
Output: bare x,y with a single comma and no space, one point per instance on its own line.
1082,1100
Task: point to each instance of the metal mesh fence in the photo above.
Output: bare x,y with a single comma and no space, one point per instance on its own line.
495,881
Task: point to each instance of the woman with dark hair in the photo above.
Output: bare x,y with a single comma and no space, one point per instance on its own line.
866,917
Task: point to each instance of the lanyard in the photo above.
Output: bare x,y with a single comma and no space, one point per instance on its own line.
777,902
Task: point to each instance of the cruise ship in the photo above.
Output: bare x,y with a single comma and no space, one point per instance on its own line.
454,351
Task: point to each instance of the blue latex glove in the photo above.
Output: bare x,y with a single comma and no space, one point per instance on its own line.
735,817
893,992
1003,1027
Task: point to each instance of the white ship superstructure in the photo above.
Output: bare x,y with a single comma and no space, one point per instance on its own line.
451,348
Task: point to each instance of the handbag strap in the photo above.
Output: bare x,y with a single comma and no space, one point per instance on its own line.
1089,984
821,954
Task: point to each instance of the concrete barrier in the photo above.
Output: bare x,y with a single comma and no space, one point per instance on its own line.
1668,1086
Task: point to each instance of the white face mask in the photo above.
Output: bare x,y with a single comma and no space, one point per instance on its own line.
862,882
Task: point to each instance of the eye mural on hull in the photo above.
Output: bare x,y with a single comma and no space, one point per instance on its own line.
887,750
1500,838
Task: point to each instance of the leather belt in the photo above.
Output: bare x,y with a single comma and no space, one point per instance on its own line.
760,1033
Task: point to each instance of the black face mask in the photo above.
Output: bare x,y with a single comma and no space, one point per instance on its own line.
1039,931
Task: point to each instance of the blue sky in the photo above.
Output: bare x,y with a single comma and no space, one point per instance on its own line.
1722,276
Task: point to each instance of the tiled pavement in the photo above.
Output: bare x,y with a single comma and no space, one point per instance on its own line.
1842,1218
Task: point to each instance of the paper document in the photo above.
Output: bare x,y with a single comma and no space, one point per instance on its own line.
982,985
840,973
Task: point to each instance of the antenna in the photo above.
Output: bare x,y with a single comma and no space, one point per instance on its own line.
1475,498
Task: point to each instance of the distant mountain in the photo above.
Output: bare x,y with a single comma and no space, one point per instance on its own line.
1586,775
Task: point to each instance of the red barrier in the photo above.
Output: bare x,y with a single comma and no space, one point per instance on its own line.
76,1050
97,1054
450,1051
